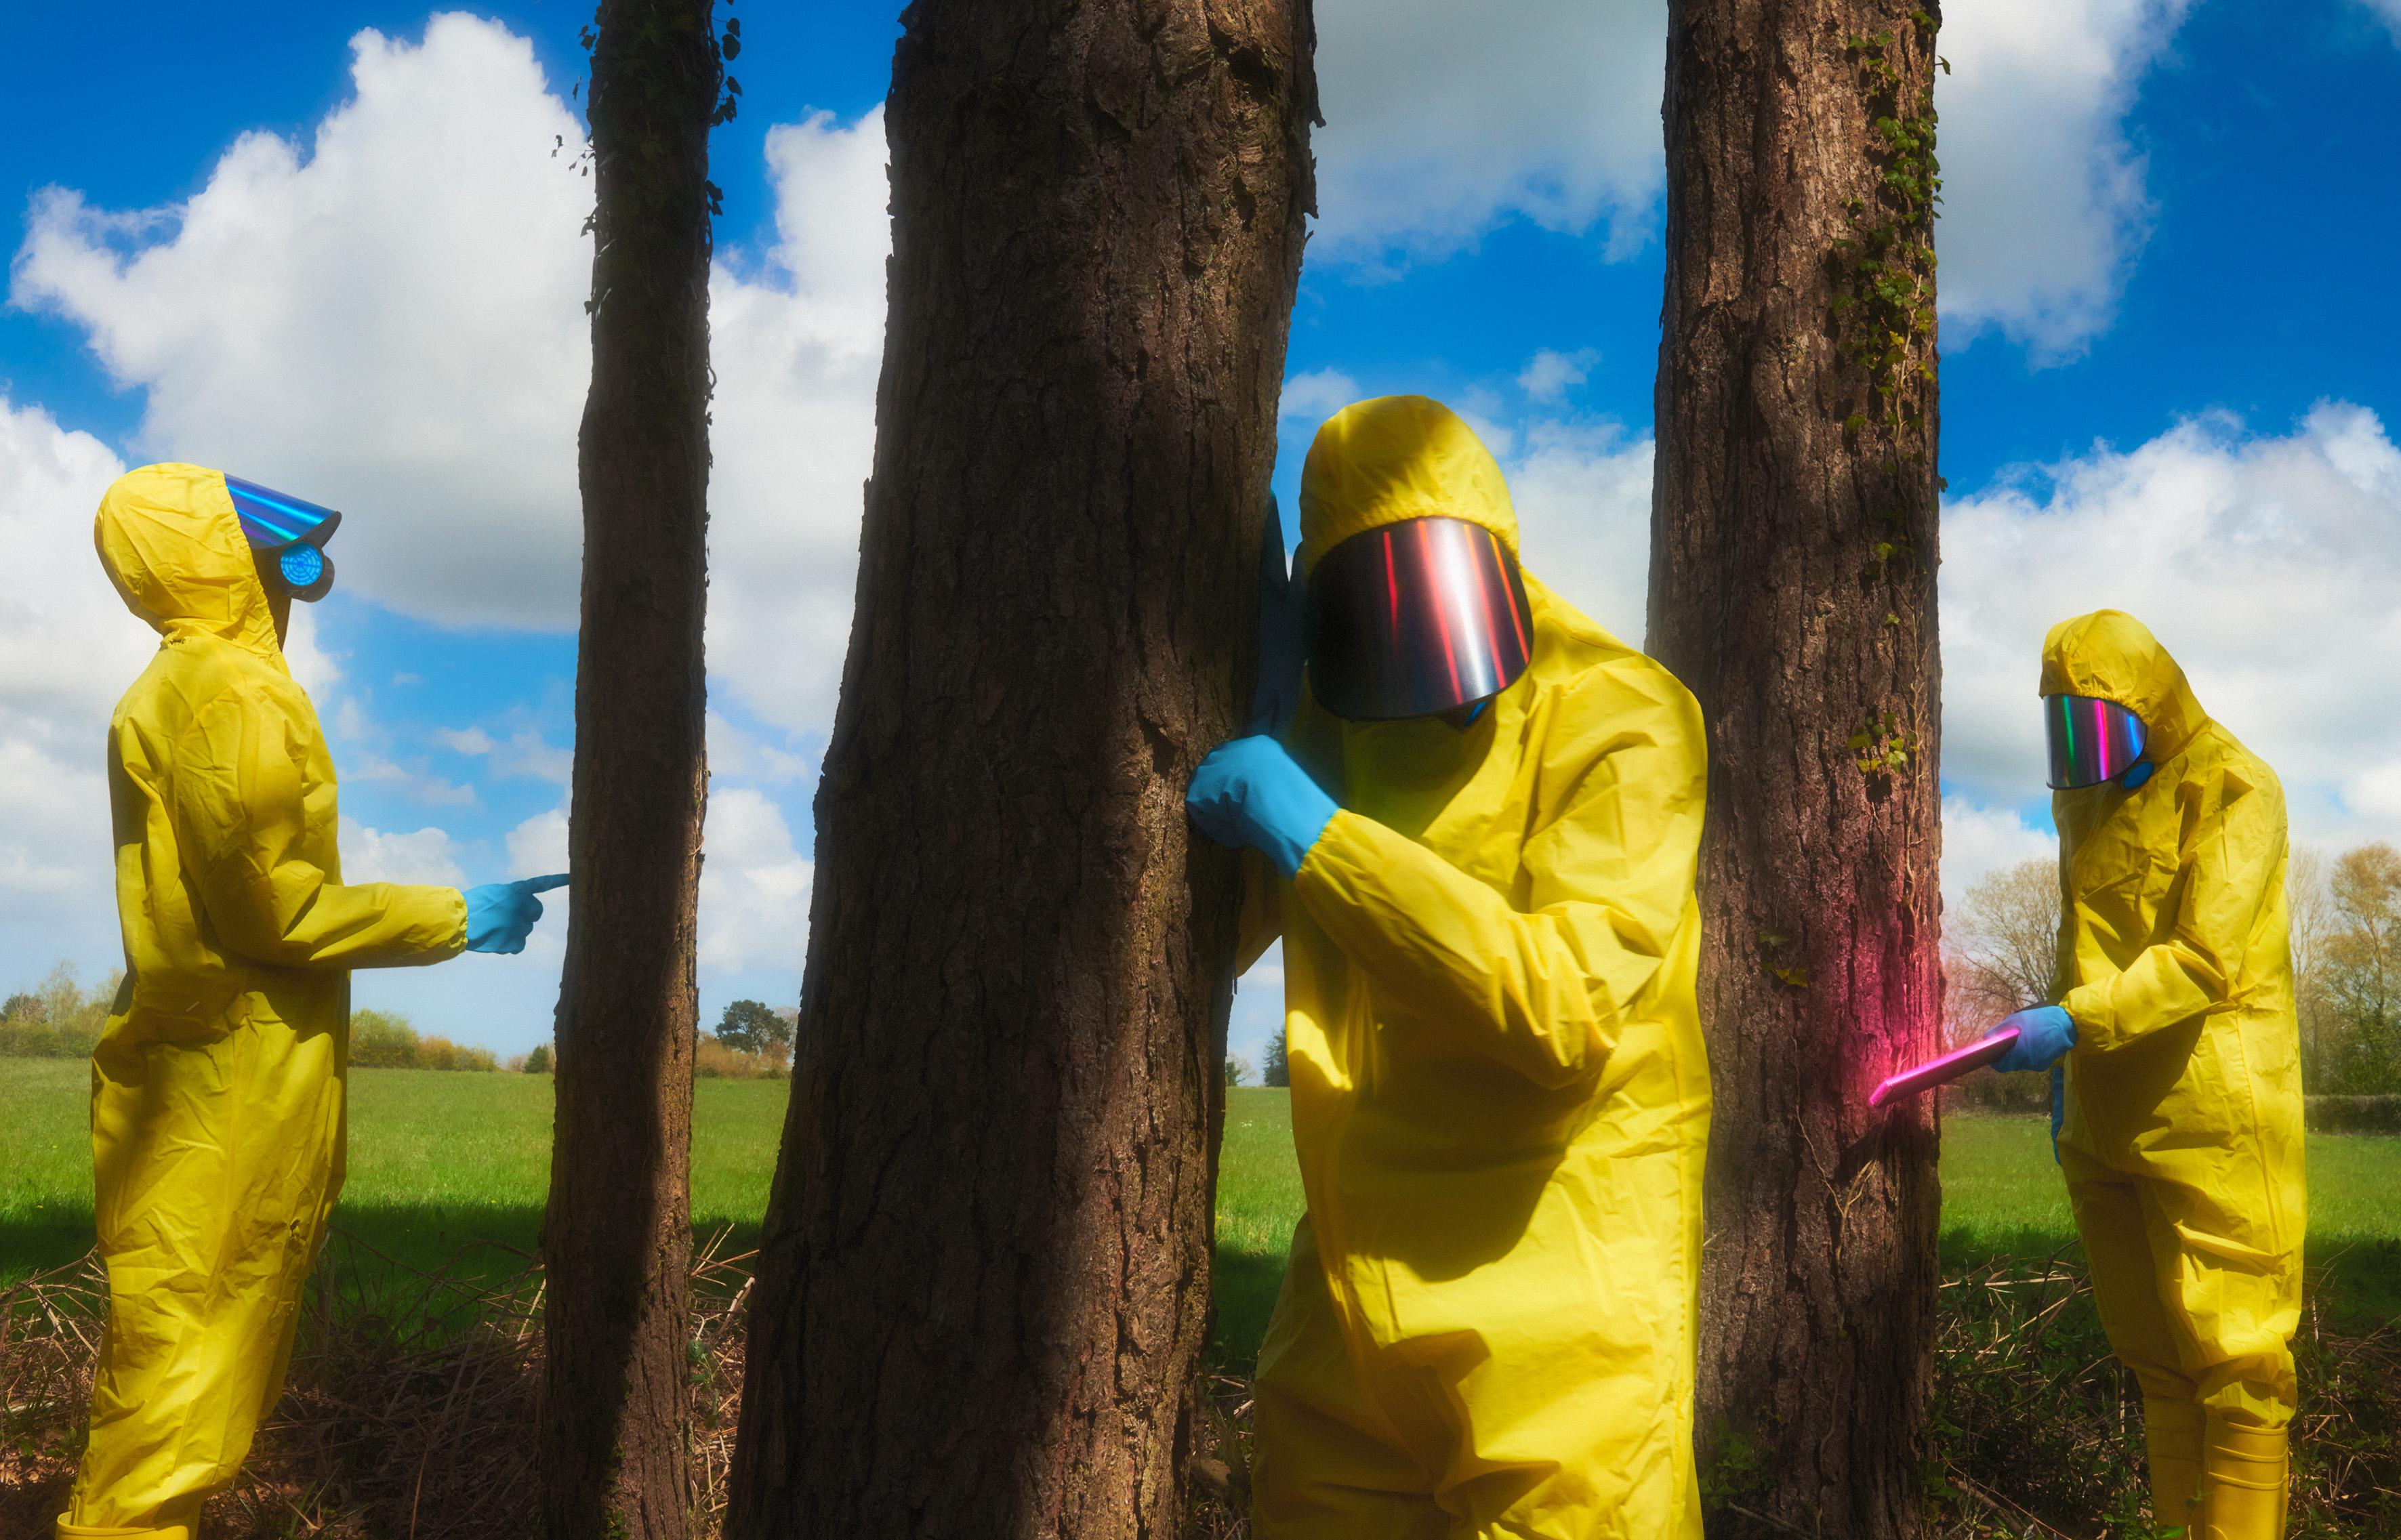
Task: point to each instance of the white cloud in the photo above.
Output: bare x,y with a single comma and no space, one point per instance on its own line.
2044,204
68,648
1316,395
1549,373
754,886
1978,840
797,346
538,846
425,856
2270,564
391,319
387,320
469,741
1443,119
1582,494
2390,11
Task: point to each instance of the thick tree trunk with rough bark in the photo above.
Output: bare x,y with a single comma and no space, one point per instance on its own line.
1793,531
616,1419
982,1300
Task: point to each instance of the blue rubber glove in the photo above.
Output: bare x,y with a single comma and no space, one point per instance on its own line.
2136,774
2058,1107
1250,792
2045,1034
501,914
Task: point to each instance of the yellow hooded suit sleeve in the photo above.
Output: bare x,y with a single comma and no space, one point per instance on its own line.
2228,837
1604,885
241,808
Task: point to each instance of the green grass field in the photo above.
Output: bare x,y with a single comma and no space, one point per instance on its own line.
440,1162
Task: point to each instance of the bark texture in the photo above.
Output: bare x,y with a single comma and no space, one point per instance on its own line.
1793,545
616,1404
982,1299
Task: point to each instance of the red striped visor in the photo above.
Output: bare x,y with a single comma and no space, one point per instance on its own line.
1414,619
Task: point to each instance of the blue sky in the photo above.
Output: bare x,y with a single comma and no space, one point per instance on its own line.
334,248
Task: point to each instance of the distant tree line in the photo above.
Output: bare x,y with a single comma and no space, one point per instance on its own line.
2346,926
56,1018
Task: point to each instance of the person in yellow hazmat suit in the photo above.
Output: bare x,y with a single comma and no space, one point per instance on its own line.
217,1086
1477,839
2175,1058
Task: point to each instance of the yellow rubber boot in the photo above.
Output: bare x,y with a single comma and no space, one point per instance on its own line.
2172,1432
2245,1474
179,1520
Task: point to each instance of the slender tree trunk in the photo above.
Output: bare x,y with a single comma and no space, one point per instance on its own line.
1794,528
982,1300
616,1406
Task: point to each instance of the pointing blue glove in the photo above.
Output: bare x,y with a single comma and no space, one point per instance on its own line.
2045,1034
1250,792
501,914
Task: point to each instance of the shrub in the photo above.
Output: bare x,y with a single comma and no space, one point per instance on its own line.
56,1018
538,1062
381,1041
715,1059
2353,1115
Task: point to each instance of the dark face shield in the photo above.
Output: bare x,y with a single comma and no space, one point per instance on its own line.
2092,740
294,531
1414,619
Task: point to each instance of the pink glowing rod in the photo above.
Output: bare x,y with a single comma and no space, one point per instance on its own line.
1943,1070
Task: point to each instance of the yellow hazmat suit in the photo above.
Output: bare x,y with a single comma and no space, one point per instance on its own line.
2182,1145
1500,1092
217,1106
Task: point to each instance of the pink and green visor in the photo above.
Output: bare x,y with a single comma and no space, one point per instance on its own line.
2092,740
295,530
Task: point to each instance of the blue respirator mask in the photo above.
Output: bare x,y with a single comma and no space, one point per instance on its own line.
294,530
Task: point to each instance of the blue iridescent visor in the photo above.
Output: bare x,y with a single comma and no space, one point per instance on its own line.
2092,740
297,530
1416,618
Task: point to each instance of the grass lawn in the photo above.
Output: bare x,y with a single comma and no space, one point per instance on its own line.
441,1160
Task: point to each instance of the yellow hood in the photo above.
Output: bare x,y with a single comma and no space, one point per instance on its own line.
171,544
1397,458
2111,656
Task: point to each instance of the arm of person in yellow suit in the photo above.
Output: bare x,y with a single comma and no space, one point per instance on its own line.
1607,879
239,814
2229,839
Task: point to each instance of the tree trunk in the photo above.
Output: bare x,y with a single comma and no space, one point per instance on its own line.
982,1298
1793,536
616,1418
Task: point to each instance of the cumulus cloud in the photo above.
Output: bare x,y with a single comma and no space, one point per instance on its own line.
754,886
390,319
427,855
67,650
2044,204
1583,494
2269,564
797,341
1549,374
1444,119
1979,840
387,320
1316,395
